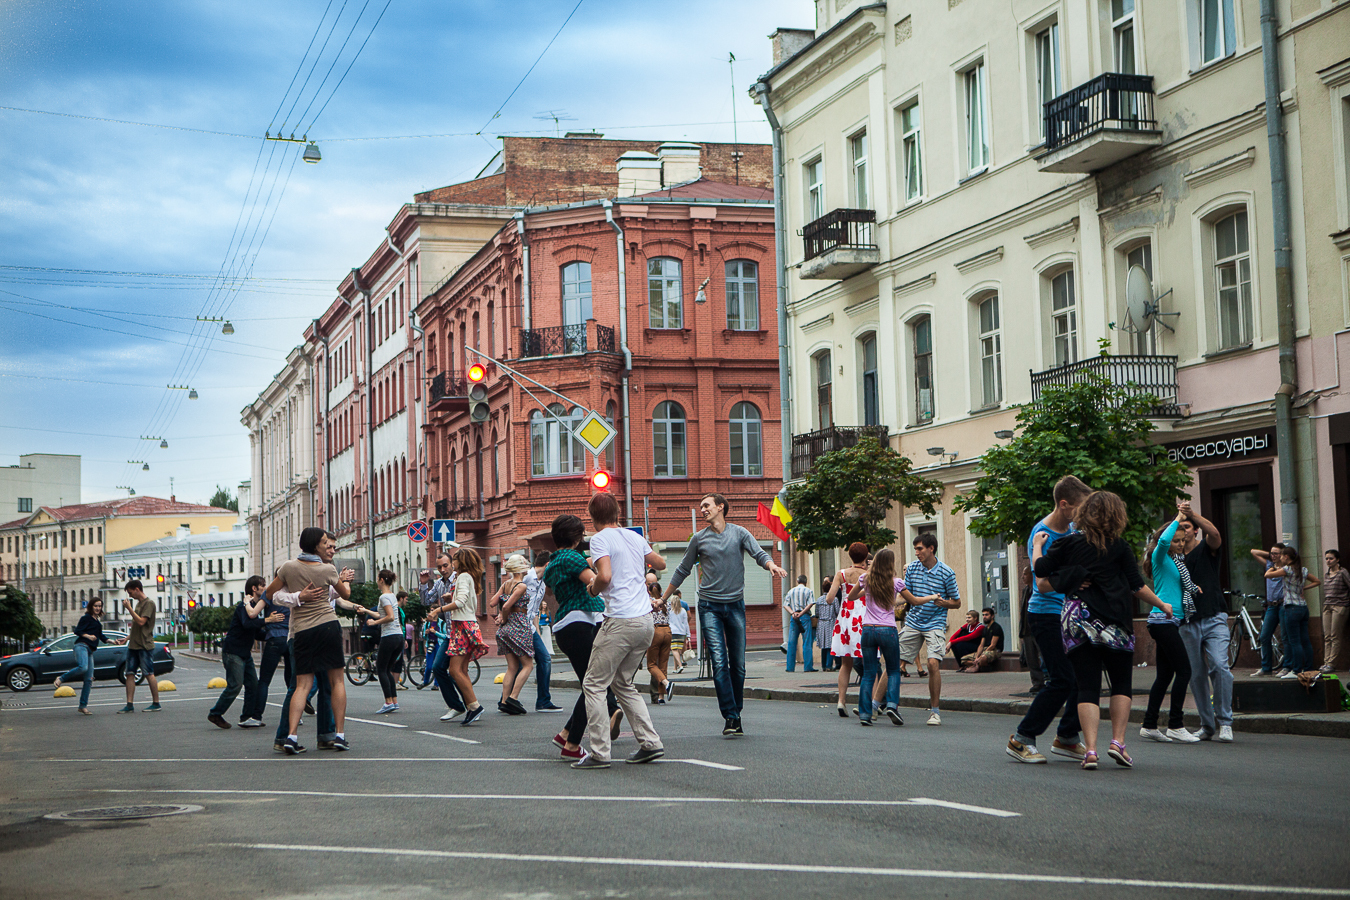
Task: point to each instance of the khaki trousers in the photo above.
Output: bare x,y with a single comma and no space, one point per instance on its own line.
1334,621
658,657
615,656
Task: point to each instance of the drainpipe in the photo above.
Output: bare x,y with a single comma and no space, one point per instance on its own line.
1285,439
627,363
369,329
761,90
327,448
525,272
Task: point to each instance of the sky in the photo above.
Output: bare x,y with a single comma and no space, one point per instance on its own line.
115,237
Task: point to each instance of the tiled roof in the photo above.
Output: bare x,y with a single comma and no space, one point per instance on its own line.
703,189
131,506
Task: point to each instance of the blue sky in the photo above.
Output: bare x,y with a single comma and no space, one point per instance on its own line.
85,356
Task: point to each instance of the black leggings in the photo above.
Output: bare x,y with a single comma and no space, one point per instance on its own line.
1174,667
575,642
1089,660
387,662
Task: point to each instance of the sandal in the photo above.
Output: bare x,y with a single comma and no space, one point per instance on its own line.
1090,760
1117,752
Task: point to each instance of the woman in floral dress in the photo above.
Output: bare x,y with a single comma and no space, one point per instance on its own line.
515,639
846,642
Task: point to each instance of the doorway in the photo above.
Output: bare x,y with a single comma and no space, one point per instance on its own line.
1240,501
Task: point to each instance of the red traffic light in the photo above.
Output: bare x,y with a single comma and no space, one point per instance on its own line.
600,480
192,604
159,582
477,372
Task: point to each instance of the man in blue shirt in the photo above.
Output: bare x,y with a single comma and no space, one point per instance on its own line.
1061,687
926,623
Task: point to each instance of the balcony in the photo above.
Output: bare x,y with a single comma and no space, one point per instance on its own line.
1099,123
840,244
1156,375
807,448
448,395
564,340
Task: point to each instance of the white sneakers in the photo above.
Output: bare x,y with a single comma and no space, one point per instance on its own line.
1154,734
452,715
1225,735
934,718
1182,736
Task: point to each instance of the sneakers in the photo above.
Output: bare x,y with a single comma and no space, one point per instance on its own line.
560,741
153,707
1070,751
1154,734
126,709
590,762
615,724
862,721
85,712
514,707
670,690
934,718
293,747
1326,669
278,746
251,723
1204,734
472,716
217,720
646,755
732,728
738,731
1289,675
843,713
549,708
894,715
309,708
572,754
1262,673
452,715
1225,735
340,745
1182,736
1023,752
387,708
326,745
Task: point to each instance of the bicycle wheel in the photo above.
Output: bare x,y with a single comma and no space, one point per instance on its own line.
1235,645
1276,652
358,669
474,672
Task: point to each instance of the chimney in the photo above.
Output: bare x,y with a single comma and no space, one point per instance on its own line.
679,162
183,532
639,173
787,42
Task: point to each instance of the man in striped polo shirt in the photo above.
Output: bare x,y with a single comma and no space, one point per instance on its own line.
926,623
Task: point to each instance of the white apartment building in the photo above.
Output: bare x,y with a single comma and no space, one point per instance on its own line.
967,184
209,568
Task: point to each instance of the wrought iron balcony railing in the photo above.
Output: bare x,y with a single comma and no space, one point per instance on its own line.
1111,100
807,448
559,340
1155,375
840,229
445,388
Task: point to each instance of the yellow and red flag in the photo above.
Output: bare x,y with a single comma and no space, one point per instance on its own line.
775,519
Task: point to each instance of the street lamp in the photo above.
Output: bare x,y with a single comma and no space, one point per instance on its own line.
311,154
192,392
145,466
1004,434
163,444
226,328
131,491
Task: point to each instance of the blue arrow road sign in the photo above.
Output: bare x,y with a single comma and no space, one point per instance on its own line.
442,530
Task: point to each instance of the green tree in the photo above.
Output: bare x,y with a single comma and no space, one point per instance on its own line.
223,499
367,593
210,620
17,618
850,491
413,608
1095,430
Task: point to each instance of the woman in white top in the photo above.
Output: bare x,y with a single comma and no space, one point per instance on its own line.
465,641
391,639
679,630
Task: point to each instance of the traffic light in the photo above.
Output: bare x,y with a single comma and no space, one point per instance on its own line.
600,480
192,604
159,583
478,393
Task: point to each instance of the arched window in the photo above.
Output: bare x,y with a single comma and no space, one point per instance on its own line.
664,293
492,329
747,453
610,451
576,293
454,475
742,295
552,450
496,467
668,440
867,360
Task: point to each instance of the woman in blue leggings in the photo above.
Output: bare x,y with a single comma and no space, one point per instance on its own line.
88,635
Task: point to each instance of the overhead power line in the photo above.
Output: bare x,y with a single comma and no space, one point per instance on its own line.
531,68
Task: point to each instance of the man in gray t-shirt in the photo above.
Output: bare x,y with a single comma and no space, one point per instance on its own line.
719,550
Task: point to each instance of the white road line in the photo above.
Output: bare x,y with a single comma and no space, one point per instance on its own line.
449,737
985,810
583,798
278,758
374,722
72,707
782,868
704,762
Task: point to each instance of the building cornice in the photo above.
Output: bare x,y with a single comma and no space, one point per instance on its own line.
1216,170
840,43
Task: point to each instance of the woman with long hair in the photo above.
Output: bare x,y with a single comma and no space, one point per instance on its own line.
1298,652
88,635
658,655
1165,566
846,642
1097,624
515,639
390,653
465,641
825,616
878,590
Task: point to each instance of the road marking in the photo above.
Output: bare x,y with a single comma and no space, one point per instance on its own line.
704,762
780,868
984,810
73,707
373,722
585,798
449,737
279,758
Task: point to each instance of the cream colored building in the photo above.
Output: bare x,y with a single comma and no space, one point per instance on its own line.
966,186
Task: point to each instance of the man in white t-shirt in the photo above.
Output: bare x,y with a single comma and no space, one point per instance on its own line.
543,659
620,558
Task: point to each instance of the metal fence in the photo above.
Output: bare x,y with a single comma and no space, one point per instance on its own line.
443,386
1111,100
1155,375
555,341
839,229
807,448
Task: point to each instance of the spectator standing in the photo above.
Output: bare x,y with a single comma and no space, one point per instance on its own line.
88,635
679,630
543,655
140,645
1270,608
1031,654
236,655
800,604
1206,635
1335,608
1298,652
926,625
826,611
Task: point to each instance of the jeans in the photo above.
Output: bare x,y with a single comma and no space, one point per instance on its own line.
1269,622
84,667
1174,668
543,673
1298,652
1031,652
274,652
886,640
1061,685
239,672
801,625
1206,643
327,724
576,641
441,669
723,626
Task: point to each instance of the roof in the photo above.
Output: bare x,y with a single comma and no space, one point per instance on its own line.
196,541
123,506
703,189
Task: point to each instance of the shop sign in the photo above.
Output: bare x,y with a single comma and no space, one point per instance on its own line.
1223,448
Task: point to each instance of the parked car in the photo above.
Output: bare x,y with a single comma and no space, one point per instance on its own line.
20,671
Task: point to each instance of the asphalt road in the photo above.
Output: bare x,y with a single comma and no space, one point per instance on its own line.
806,805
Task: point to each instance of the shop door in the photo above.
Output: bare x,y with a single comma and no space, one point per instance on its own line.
1241,510
994,567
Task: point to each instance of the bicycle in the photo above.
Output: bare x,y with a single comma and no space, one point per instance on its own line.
428,678
1243,623
360,667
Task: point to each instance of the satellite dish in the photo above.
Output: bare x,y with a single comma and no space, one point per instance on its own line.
1139,303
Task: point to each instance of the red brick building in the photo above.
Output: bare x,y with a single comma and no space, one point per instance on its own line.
690,298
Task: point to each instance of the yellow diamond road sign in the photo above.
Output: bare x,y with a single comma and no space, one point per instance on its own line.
595,433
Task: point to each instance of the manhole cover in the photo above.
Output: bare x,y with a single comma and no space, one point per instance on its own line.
122,812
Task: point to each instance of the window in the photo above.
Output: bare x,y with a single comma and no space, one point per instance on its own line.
1122,36
1145,341
668,440
977,119
25,504
923,369
1047,71
911,151
747,457
815,190
991,352
553,451
857,146
1233,280
742,295
867,356
1217,30
824,390
1064,318
609,451
664,293
576,293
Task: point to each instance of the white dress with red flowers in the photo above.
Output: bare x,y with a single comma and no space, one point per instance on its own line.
847,639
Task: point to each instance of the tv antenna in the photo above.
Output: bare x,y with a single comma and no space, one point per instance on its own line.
556,115
1142,309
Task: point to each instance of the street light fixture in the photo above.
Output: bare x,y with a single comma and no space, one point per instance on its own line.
225,328
192,392
131,491
1004,435
163,444
145,466
311,154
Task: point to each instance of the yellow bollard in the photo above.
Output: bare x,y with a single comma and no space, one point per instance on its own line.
64,690
499,679
166,685
216,682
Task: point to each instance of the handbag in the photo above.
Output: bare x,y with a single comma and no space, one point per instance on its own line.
1078,627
